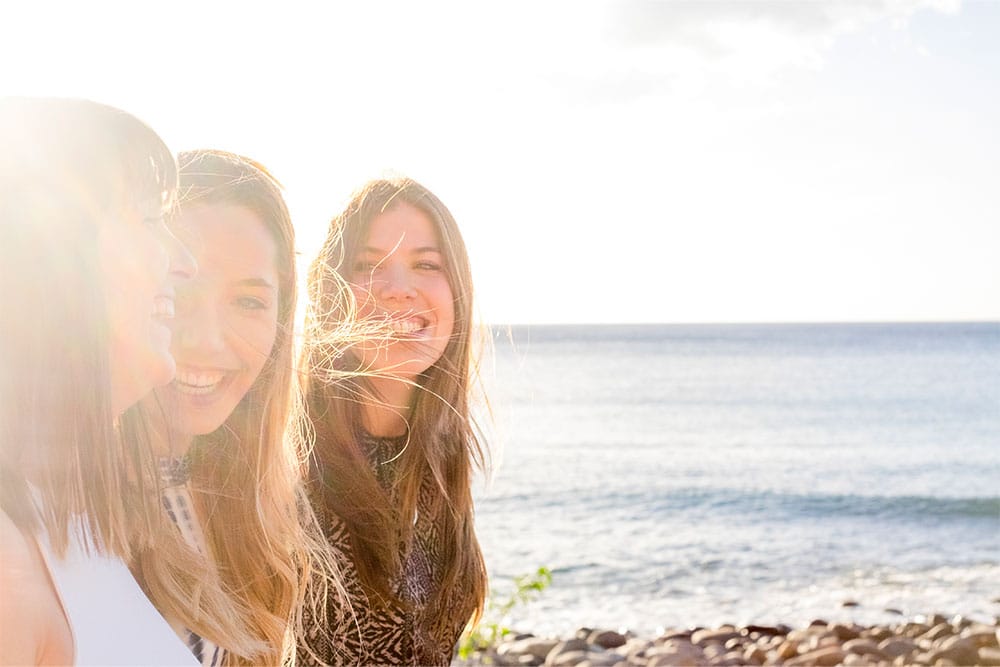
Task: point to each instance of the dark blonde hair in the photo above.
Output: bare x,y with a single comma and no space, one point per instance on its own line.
245,476
66,166
444,446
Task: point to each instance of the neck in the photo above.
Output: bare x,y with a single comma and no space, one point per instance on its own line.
386,413
165,441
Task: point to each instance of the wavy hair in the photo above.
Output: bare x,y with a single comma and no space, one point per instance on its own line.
66,166
262,537
444,444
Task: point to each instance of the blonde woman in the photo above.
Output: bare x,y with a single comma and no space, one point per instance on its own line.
89,271
232,480
395,445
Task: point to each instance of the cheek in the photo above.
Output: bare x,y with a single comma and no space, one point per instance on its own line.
255,343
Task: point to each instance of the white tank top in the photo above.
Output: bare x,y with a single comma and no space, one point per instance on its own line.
112,620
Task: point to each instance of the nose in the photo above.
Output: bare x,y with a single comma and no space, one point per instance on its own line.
396,284
196,324
183,265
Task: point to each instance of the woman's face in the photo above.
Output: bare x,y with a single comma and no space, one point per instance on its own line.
142,263
227,317
399,279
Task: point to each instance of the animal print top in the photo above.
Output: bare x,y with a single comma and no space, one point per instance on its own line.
370,634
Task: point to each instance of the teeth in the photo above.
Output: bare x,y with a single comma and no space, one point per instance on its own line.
197,383
163,308
405,326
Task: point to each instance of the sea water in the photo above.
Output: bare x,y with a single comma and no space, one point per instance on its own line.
672,475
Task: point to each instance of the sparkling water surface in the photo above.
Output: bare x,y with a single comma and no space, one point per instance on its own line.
697,474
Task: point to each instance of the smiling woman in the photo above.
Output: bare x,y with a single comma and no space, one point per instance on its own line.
395,443
232,481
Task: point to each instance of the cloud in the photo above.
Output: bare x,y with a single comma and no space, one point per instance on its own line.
647,47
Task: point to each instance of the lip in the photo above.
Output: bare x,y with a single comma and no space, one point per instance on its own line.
202,386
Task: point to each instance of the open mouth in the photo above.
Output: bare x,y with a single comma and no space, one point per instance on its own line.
410,327
163,307
198,383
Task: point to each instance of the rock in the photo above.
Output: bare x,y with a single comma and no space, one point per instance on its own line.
731,659
583,633
680,653
862,646
533,646
817,622
754,655
788,648
769,630
895,647
568,658
960,650
568,646
705,637
674,634
845,632
850,603
824,657
989,656
668,660
960,622
528,660
938,631
878,633
600,659
983,635
913,630
735,643
893,611
606,638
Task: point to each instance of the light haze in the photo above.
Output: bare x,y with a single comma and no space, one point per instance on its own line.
626,161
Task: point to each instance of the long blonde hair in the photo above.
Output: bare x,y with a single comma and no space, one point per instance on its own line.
64,166
444,444
245,476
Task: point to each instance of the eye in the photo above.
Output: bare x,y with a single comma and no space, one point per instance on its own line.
427,265
251,303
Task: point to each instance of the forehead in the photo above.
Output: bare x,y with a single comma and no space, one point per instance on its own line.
404,227
227,238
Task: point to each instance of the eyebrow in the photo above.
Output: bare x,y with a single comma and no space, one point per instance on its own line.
418,251
256,282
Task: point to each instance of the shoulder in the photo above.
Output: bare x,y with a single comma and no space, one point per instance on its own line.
29,607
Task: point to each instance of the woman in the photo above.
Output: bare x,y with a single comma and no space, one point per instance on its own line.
395,445
233,483
89,272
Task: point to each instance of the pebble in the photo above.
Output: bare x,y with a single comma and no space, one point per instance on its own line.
931,640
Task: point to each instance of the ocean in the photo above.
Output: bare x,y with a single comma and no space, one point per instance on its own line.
677,475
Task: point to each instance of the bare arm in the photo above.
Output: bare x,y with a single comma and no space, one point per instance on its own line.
33,629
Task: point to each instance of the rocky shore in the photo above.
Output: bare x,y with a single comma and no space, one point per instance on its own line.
933,640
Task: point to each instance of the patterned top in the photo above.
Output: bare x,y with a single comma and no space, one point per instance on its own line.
388,634
174,474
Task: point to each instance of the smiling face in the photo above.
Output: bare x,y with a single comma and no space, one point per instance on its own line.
399,278
142,264
226,319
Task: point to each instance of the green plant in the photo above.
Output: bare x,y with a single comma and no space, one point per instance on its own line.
492,627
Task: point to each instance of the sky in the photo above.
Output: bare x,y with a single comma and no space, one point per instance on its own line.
619,161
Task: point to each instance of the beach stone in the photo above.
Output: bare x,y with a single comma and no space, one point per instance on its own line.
960,650
721,636
960,622
938,631
864,646
878,633
754,655
528,660
533,646
824,657
856,660
845,632
788,649
568,646
988,656
584,632
897,646
768,630
731,659
600,659
893,611
983,635
735,643
606,638
568,658
850,603
914,630
675,634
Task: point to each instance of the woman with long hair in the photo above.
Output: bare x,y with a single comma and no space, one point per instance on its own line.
395,445
89,271
233,480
